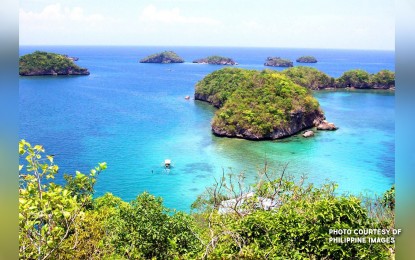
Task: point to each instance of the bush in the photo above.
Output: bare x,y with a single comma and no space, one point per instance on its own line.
280,218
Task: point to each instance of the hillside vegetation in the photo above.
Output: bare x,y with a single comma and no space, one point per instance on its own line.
46,63
65,221
310,78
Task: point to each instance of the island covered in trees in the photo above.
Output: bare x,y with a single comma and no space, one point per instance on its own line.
40,63
163,57
216,60
278,62
314,79
258,105
306,59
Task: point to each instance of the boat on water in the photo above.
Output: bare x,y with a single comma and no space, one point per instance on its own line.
167,163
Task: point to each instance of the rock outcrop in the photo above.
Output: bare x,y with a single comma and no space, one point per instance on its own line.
308,133
324,125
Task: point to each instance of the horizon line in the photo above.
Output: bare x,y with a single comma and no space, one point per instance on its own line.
196,46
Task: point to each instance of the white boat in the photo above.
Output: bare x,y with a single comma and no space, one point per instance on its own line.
167,163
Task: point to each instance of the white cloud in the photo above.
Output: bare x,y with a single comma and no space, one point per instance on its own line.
174,15
55,14
59,24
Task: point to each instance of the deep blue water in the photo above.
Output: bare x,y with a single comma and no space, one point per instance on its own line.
133,116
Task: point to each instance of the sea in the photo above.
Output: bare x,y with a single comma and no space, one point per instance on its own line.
133,116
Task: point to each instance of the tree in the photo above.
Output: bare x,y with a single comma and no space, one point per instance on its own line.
48,212
279,217
355,79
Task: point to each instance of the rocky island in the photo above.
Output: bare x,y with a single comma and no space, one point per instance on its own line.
42,63
278,62
216,60
306,59
163,57
258,105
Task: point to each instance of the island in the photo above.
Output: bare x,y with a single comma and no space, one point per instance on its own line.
40,63
306,59
258,105
314,79
360,79
278,62
163,57
216,60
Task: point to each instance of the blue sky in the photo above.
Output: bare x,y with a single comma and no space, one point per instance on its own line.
352,24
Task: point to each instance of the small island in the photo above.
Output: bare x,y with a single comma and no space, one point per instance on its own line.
278,62
314,79
42,63
258,105
216,60
163,57
306,59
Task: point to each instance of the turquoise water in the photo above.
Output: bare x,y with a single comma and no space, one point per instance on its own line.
133,116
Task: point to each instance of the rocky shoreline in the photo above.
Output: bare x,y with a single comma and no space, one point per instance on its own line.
299,121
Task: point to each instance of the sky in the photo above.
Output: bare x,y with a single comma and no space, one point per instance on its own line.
351,24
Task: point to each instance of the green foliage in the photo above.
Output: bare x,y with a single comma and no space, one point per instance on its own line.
388,199
296,226
354,78
307,59
309,77
220,84
383,79
255,101
146,229
46,63
48,213
163,57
